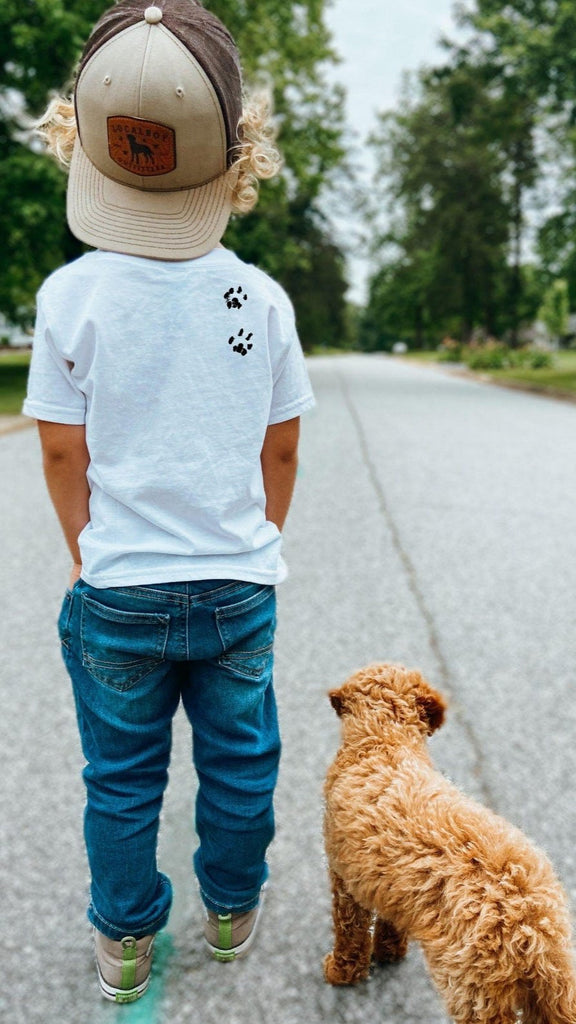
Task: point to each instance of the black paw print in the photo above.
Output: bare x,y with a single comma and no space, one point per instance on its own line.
235,298
244,344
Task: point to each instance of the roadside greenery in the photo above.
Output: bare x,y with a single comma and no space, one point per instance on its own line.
552,373
559,378
555,309
13,376
471,244
494,355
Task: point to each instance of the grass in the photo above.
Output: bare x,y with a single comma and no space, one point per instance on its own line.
422,355
13,375
560,378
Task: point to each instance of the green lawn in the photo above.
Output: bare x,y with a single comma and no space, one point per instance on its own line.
560,378
13,374
422,355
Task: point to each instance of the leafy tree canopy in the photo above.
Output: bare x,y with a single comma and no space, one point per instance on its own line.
537,38
458,165
449,205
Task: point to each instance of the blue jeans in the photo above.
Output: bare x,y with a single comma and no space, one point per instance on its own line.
132,653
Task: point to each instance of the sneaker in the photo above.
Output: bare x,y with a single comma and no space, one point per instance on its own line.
230,936
123,967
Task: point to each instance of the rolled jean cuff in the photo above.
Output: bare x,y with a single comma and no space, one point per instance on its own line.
159,919
241,903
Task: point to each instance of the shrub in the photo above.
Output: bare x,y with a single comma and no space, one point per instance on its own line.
519,357
491,356
540,360
495,356
450,351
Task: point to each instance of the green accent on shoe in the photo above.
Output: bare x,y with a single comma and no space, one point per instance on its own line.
128,997
128,977
225,932
223,957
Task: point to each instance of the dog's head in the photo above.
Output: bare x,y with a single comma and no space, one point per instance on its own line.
390,693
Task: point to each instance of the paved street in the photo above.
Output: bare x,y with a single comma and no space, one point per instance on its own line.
434,524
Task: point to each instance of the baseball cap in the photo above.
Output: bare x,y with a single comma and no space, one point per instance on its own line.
158,98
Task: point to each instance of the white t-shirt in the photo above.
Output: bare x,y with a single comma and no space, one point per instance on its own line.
176,369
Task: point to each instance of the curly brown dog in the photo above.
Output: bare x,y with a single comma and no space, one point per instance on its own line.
412,858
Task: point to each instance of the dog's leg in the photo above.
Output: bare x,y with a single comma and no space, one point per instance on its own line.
389,944
350,960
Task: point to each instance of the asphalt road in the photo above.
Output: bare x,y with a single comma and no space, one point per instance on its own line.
433,524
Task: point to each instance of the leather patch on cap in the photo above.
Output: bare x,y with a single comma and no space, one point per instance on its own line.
143,147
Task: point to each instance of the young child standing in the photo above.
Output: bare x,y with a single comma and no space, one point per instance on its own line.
167,380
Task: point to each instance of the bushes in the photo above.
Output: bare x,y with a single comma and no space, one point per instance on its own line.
451,351
494,355
541,360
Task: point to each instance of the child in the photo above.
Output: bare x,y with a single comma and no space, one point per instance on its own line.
167,380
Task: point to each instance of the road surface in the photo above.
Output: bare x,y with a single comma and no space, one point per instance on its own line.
433,524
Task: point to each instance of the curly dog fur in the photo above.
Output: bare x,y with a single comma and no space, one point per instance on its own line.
410,857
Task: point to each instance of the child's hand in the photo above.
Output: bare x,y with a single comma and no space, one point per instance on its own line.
74,574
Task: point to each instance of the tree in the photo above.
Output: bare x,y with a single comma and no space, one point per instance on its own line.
400,303
537,38
320,294
39,42
461,163
449,211
284,42
555,310
532,43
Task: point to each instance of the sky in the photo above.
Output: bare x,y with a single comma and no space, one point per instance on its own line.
378,40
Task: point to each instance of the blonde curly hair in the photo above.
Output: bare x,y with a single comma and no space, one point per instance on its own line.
255,156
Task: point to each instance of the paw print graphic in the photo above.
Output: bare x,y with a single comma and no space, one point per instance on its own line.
243,345
235,297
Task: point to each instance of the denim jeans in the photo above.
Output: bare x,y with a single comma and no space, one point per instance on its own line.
132,653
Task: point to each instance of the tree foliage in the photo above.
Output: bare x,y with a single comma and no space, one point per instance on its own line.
284,44
455,161
555,309
461,163
535,40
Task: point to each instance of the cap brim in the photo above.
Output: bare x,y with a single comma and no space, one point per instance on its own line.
159,225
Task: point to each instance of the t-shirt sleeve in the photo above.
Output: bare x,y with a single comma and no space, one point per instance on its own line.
292,393
52,393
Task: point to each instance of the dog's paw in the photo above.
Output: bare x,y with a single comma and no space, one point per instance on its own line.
343,972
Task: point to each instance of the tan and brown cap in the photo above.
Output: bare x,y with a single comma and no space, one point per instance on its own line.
158,99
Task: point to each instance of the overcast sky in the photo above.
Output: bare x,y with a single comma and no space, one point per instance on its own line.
378,40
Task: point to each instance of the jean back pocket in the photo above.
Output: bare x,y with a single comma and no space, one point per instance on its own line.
121,647
246,630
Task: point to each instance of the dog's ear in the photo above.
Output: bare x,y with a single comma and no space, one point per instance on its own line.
431,707
338,702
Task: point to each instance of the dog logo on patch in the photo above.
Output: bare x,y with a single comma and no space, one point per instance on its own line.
142,147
